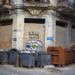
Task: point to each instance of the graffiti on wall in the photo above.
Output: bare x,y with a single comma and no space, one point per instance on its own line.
34,45
33,35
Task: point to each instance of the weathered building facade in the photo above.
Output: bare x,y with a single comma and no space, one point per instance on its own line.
36,24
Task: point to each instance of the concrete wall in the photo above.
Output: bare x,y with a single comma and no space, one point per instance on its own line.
61,36
6,36
73,36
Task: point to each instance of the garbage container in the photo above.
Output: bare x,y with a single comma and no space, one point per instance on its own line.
3,57
12,56
43,59
27,59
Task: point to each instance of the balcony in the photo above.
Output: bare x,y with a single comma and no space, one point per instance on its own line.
10,4
40,3
3,9
4,4
64,5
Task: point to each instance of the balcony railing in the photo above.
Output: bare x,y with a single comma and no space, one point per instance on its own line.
60,5
28,3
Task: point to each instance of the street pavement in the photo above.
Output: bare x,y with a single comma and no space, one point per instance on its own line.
11,70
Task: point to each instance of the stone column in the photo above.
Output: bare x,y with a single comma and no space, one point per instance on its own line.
69,35
50,29
18,29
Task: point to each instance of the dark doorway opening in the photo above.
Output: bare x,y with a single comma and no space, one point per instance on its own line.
34,20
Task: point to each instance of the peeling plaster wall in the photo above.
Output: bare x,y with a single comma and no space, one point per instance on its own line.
60,36
73,36
6,36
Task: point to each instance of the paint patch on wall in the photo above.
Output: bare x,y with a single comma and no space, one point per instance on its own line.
34,45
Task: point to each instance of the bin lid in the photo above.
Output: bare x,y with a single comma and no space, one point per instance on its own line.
13,50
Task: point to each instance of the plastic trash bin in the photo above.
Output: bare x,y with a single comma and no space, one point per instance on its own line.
12,56
43,59
27,59
3,57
